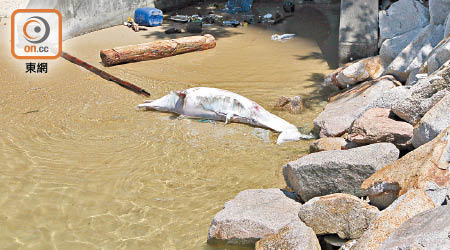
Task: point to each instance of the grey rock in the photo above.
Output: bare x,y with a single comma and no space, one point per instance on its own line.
391,97
251,215
439,195
401,17
343,109
294,236
389,220
376,126
427,230
424,95
337,171
262,134
392,47
439,55
341,214
439,10
436,120
415,54
328,143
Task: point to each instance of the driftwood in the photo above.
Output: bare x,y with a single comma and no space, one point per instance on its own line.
156,50
104,75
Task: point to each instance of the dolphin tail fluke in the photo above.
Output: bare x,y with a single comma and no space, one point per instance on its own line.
292,135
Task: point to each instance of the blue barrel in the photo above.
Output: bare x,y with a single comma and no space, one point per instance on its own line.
239,5
148,16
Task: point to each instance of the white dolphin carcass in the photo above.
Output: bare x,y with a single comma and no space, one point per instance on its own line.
223,105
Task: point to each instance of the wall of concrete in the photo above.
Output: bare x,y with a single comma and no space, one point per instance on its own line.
84,16
358,29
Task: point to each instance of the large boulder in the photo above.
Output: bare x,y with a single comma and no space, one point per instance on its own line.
294,236
413,56
341,214
401,17
424,95
439,55
392,47
251,215
328,143
344,108
376,126
416,170
439,10
352,73
427,230
404,208
293,105
433,122
337,171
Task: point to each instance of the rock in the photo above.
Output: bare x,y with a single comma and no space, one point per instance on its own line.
439,55
262,134
294,236
251,215
341,214
376,126
328,143
424,95
427,230
344,108
415,170
359,71
294,105
439,10
433,122
337,171
415,54
392,47
352,73
401,17
439,195
404,208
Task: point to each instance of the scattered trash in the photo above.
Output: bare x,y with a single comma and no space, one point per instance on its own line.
289,6
194,27
284,37
173,31
267,16
133,25
250,19
148,16
234,6
233,23
179,18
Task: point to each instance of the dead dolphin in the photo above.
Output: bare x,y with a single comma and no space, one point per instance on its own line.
223,105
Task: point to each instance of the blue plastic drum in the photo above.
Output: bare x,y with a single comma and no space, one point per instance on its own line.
148,16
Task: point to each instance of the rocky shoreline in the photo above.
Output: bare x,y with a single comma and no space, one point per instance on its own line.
379,176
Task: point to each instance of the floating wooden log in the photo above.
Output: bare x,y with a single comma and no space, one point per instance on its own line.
156,50
104,75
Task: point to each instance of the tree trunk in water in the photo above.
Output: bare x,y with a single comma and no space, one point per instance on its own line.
156,50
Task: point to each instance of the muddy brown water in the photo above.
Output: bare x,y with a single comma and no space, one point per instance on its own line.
82,169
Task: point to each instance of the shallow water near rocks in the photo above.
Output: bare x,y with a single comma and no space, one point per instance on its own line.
81,168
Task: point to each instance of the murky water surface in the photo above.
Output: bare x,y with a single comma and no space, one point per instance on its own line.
82,169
